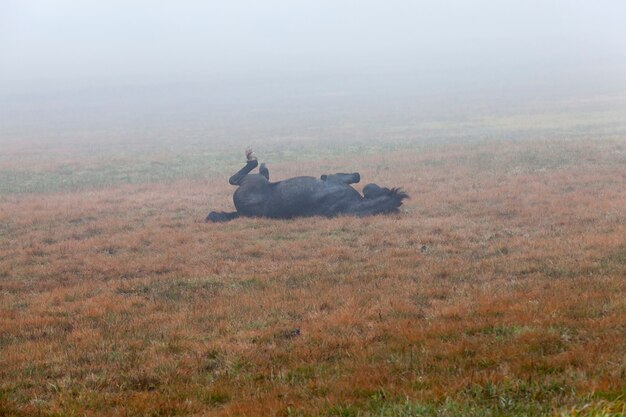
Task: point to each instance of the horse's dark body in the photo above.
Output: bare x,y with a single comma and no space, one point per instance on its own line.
329,196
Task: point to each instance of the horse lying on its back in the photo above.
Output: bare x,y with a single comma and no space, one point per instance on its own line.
329,196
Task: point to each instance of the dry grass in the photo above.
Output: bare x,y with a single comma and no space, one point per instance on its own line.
500,290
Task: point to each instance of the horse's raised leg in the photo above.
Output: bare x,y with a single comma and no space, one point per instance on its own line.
264,171
240,175
353,178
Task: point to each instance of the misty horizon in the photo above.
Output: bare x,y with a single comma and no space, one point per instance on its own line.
67,67
43,41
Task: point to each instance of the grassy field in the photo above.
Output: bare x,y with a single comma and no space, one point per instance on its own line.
499,290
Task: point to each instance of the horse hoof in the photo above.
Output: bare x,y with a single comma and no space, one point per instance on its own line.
250,156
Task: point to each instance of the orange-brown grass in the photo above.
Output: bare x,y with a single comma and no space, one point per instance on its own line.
499,290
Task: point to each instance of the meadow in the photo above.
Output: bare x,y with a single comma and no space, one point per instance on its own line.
498,290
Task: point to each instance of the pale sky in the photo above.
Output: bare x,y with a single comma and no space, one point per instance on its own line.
89,39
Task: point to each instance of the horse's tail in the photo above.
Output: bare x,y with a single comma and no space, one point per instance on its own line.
383,201
397,195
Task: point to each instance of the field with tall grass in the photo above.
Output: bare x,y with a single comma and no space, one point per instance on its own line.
500,289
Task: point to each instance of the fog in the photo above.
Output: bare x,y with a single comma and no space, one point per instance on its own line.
69,39
119,57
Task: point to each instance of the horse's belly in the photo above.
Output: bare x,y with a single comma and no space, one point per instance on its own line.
308,196
251,198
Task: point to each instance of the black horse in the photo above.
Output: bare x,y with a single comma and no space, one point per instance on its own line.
329,196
